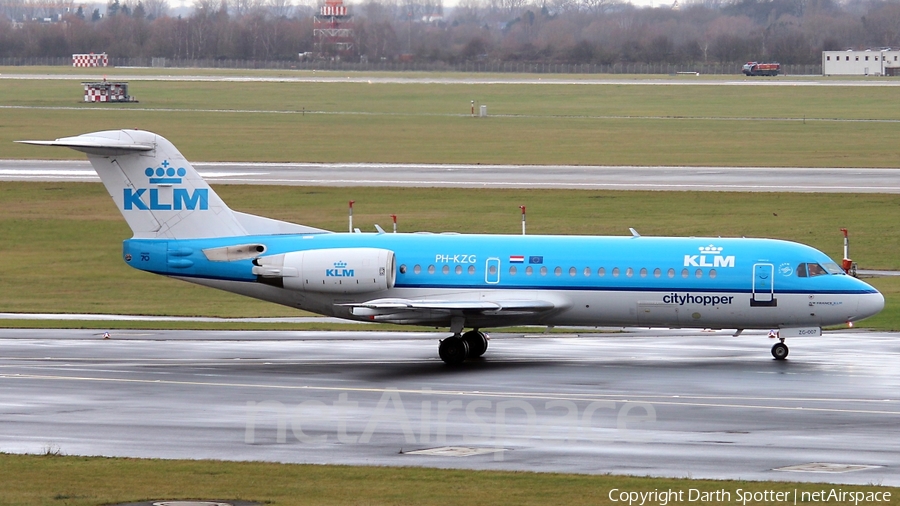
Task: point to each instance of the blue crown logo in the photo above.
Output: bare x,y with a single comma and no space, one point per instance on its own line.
340,265
165,174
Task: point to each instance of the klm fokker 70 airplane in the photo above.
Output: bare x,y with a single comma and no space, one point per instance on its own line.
182,229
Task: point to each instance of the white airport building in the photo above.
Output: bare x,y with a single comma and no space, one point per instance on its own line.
870,62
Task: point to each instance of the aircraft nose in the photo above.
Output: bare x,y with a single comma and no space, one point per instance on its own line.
870,304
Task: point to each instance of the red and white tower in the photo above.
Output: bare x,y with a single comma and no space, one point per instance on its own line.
333,31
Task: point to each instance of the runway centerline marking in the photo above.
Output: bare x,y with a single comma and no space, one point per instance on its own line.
464,393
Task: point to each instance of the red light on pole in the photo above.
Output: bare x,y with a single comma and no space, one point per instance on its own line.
523,219
351,215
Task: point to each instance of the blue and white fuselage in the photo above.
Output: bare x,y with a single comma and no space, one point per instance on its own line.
183,230
628,281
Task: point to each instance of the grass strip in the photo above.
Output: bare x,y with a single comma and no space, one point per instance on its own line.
45,480
608,124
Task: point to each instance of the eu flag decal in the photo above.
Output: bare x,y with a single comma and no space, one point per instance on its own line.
535,260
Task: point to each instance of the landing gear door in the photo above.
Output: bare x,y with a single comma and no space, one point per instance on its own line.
763,291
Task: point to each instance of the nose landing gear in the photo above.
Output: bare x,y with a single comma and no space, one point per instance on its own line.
780,350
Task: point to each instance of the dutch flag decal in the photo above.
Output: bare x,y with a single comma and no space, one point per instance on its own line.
516,259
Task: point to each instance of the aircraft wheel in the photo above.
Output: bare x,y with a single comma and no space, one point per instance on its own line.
780,351
453,350
477,342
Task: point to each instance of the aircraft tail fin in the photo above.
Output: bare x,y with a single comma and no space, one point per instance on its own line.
158,191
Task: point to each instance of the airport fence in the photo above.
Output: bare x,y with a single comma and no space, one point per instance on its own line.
387,66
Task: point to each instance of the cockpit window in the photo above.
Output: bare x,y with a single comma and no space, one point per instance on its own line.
815,270
833,268
812,269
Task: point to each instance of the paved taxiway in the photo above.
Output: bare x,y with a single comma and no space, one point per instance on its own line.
674,403
767,179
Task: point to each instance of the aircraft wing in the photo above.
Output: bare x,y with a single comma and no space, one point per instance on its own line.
388,310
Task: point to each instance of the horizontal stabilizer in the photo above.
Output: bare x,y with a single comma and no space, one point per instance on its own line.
96,145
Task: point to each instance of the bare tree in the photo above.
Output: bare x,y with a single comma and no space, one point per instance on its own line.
280,8
156,9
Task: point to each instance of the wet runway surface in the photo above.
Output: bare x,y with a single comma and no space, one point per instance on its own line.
671,403
766,179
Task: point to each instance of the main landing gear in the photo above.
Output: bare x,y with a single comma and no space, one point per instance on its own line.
455,349
780,350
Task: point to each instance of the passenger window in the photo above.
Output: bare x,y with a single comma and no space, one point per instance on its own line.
459,269
543,271
601,272
471,269
512,270
430,269
557,271
403,269
801,271
712,273
529,271
698,273
657,273
684,273
587,272
671,273
629,272
615,272
492,269
417,269
643,272
572,271
445,269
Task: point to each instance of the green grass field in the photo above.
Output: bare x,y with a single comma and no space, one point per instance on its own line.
82,481
67,236
615,124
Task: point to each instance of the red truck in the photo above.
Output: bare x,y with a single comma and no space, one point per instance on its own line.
752,68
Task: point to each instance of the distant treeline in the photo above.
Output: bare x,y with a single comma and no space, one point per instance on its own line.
554,31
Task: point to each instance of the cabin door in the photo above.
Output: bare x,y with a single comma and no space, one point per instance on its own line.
763,291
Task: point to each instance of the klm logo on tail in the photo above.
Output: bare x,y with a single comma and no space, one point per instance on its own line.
182,198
